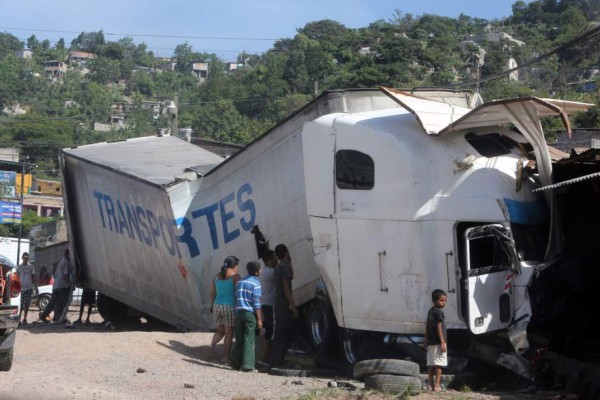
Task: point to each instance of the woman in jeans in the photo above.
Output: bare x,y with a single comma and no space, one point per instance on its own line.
222,300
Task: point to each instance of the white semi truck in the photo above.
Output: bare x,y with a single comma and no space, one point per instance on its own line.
381,196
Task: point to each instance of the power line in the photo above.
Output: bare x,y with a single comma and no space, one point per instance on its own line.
144,34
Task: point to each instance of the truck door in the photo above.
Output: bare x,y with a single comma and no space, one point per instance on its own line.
491,261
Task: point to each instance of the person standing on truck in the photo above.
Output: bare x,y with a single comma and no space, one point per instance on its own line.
222,300
26,274
285,310
435,339
248,319
267,283
60,289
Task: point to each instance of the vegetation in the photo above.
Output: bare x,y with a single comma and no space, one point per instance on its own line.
404,51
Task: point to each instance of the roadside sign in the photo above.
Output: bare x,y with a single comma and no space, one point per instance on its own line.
10,212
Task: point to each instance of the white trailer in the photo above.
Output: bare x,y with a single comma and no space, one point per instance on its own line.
381,197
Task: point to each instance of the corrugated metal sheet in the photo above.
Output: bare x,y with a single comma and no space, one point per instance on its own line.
569,182
159,160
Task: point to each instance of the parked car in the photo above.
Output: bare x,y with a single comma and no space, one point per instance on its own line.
45,292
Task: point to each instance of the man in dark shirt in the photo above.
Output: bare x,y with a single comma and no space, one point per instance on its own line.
285,310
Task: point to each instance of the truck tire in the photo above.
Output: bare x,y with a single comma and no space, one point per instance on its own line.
367,368
352,343
114,311
394,384
321,324
301,373
6,360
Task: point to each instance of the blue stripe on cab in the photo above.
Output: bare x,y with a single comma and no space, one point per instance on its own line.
526,212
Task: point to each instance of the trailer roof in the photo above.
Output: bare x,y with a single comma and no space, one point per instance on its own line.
159,160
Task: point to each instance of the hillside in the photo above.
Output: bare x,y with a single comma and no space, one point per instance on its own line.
97,90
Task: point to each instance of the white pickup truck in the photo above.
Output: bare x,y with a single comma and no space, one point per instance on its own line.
10,302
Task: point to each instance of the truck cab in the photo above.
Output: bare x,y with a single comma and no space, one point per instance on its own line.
10,303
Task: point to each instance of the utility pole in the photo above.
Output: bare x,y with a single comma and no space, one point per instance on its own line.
172,111
22,198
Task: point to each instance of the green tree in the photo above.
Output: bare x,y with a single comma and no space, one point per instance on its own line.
221,121
9,44
9,79
90,41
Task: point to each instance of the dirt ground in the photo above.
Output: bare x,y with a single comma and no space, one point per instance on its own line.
96,362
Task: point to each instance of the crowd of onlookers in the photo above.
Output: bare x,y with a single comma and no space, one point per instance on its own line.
260,303
62,291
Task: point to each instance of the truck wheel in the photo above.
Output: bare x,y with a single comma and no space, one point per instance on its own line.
321,324
366,368
43,301
6,360
394,384
114,311
352,342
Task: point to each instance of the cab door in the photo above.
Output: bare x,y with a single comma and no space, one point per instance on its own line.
491,261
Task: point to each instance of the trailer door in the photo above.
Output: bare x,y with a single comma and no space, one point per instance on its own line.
491,261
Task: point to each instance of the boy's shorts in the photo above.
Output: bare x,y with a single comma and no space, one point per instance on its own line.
435,357
267,312
25,298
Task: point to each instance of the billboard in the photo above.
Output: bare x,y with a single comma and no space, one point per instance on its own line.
10,212
8,181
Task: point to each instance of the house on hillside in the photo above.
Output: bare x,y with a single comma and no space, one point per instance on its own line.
9,154
153,106
494,37
24,54
200,69
231,66
55,69
80,58
46,187
167,64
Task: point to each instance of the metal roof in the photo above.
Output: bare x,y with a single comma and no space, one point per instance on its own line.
437,118
159,160
569,182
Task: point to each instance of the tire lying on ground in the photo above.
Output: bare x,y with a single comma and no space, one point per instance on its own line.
302,373
367,368
394,384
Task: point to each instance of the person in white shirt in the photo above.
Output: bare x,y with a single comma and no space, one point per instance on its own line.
26,272
267,283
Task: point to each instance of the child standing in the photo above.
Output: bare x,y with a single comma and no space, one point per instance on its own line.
248,317
435,339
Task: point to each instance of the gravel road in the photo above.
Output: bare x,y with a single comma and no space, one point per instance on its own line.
95,362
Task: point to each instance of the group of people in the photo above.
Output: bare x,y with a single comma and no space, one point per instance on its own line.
62,291
259,303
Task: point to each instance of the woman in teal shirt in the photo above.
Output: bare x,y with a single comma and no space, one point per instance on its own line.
222,300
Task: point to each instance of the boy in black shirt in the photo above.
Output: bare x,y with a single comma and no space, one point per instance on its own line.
435,339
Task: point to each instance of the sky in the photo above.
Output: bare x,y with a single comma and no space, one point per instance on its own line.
224,27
